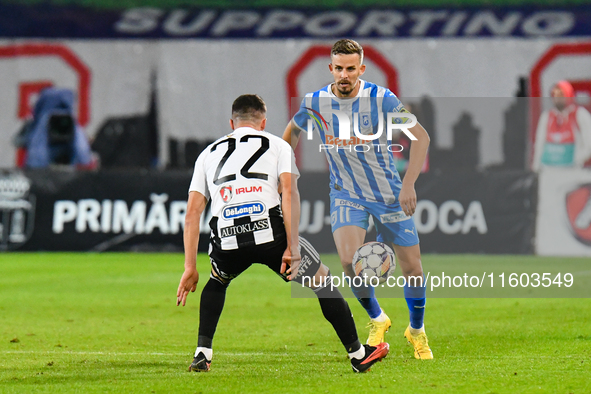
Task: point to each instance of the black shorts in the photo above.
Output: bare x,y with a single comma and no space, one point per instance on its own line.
229,264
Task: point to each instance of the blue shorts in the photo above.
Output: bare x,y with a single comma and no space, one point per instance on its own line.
391,222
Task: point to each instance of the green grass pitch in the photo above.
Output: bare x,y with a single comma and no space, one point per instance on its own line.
108,323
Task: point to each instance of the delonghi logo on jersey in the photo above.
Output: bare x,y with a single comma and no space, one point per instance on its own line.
244,228
393,217
578,210
17,210
226,193
338,202
240,210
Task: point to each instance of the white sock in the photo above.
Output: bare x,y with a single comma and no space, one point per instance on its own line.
417,331
359,354
381,318
206,351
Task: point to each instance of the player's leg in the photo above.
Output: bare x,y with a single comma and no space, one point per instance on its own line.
348,239
334,307
211,306
409,259
405,242
349,220
336,310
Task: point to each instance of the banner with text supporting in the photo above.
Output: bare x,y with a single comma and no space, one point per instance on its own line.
21,20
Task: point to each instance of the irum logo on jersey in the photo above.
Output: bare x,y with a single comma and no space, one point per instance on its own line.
249,189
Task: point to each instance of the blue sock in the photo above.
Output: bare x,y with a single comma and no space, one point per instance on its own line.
366,297
416,300
371,306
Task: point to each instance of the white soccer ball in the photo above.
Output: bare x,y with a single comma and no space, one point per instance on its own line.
374,259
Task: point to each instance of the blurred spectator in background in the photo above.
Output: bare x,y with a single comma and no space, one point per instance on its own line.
52,136
563,136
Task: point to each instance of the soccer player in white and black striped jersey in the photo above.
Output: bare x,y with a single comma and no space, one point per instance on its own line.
243,174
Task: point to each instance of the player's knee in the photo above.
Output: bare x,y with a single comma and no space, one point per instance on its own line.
346,262
348,269
410,266
321,281
213,276
323,270
413,272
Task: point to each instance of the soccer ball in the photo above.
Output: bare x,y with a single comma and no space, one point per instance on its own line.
374,259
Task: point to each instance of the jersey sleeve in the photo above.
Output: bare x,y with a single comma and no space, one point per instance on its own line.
391,103
199,180
300,119
287,160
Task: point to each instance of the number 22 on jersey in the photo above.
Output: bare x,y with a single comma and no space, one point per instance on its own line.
244,171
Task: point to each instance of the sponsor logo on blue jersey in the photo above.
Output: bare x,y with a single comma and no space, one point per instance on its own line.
394,217
339,202
240,210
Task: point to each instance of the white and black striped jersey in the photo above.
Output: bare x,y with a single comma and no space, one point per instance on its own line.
240,174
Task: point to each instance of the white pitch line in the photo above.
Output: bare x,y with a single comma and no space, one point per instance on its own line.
260,354
220,353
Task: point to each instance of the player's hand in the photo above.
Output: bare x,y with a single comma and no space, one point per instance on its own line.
408,199
188,283
290,263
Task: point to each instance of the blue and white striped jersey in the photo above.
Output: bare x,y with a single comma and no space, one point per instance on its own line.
368,172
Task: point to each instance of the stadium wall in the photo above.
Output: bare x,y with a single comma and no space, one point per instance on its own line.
130,210
195,81
184,67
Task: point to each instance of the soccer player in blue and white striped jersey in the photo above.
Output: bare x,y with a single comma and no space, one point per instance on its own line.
364,181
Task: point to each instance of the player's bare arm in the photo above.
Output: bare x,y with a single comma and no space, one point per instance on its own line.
418,153
195,207
292,134
290,206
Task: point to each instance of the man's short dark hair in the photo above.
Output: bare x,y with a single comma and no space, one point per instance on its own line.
347,47
249,107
